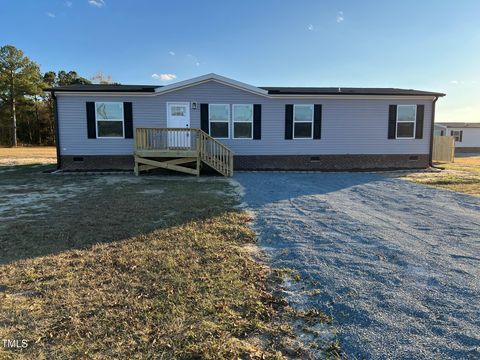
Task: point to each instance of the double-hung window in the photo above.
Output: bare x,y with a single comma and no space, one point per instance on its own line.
303,121
406,115
457,134
219,120
242,121
109,119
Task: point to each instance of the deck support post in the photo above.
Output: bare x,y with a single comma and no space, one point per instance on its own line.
135,169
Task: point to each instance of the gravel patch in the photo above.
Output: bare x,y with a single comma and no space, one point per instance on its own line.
395,263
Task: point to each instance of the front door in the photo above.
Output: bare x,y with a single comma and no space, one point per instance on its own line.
178,117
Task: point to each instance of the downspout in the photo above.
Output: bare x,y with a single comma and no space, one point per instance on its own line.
430,158
57,130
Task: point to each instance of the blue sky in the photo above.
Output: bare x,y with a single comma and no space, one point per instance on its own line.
428,45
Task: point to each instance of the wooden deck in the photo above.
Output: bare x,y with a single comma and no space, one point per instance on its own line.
180,149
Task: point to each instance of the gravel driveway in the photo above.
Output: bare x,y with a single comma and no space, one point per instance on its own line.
396,264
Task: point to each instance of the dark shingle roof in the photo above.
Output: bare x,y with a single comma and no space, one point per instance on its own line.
346,91
271,90
105,88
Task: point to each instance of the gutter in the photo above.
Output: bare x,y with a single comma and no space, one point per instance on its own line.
57,130
432,127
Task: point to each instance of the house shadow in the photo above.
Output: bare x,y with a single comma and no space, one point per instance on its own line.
45,214
263,188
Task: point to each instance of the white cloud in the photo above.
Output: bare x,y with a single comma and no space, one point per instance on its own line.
340,17
49,14
97,3
164,77
68,3
310,27
171,53
463,82
197,63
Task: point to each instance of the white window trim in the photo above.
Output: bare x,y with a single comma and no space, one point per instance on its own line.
219,121
122,120
460,135
303,122
242,121
406,122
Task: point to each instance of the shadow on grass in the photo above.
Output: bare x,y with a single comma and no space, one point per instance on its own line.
45,214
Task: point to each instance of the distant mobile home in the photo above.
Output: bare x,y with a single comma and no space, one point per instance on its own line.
264,128
466,134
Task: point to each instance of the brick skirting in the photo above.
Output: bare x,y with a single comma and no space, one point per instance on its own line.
266,162
461,150
330,162
96,162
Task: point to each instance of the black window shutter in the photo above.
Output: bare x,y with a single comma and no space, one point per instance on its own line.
461,135
91,126
257,122
317,121
288,122
128,120
419,122
204,117
392,122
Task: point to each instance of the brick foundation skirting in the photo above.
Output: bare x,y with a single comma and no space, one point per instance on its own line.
96,162
266,162
331,162
460,150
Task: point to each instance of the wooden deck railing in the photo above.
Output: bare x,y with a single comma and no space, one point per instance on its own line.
166,139
215,154
162,141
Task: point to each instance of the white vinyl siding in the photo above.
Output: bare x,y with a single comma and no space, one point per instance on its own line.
349,126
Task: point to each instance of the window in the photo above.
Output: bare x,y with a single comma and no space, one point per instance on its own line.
458,135
242,121
109,116
219,119
406,115
302,121
177,110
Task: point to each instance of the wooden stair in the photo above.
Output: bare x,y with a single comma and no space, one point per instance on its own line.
180,149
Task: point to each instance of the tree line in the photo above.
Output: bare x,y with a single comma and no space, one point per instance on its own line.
26,109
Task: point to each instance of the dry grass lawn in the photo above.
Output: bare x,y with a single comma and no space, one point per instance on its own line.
462,176
28,155
119,267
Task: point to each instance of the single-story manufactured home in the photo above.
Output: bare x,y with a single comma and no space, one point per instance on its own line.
466,134
226,124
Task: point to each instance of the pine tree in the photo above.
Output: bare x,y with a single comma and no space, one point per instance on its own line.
19,76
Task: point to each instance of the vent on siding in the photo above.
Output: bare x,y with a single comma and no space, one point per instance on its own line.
413,158
78,159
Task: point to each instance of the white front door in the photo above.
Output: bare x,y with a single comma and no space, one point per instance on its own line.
178,116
